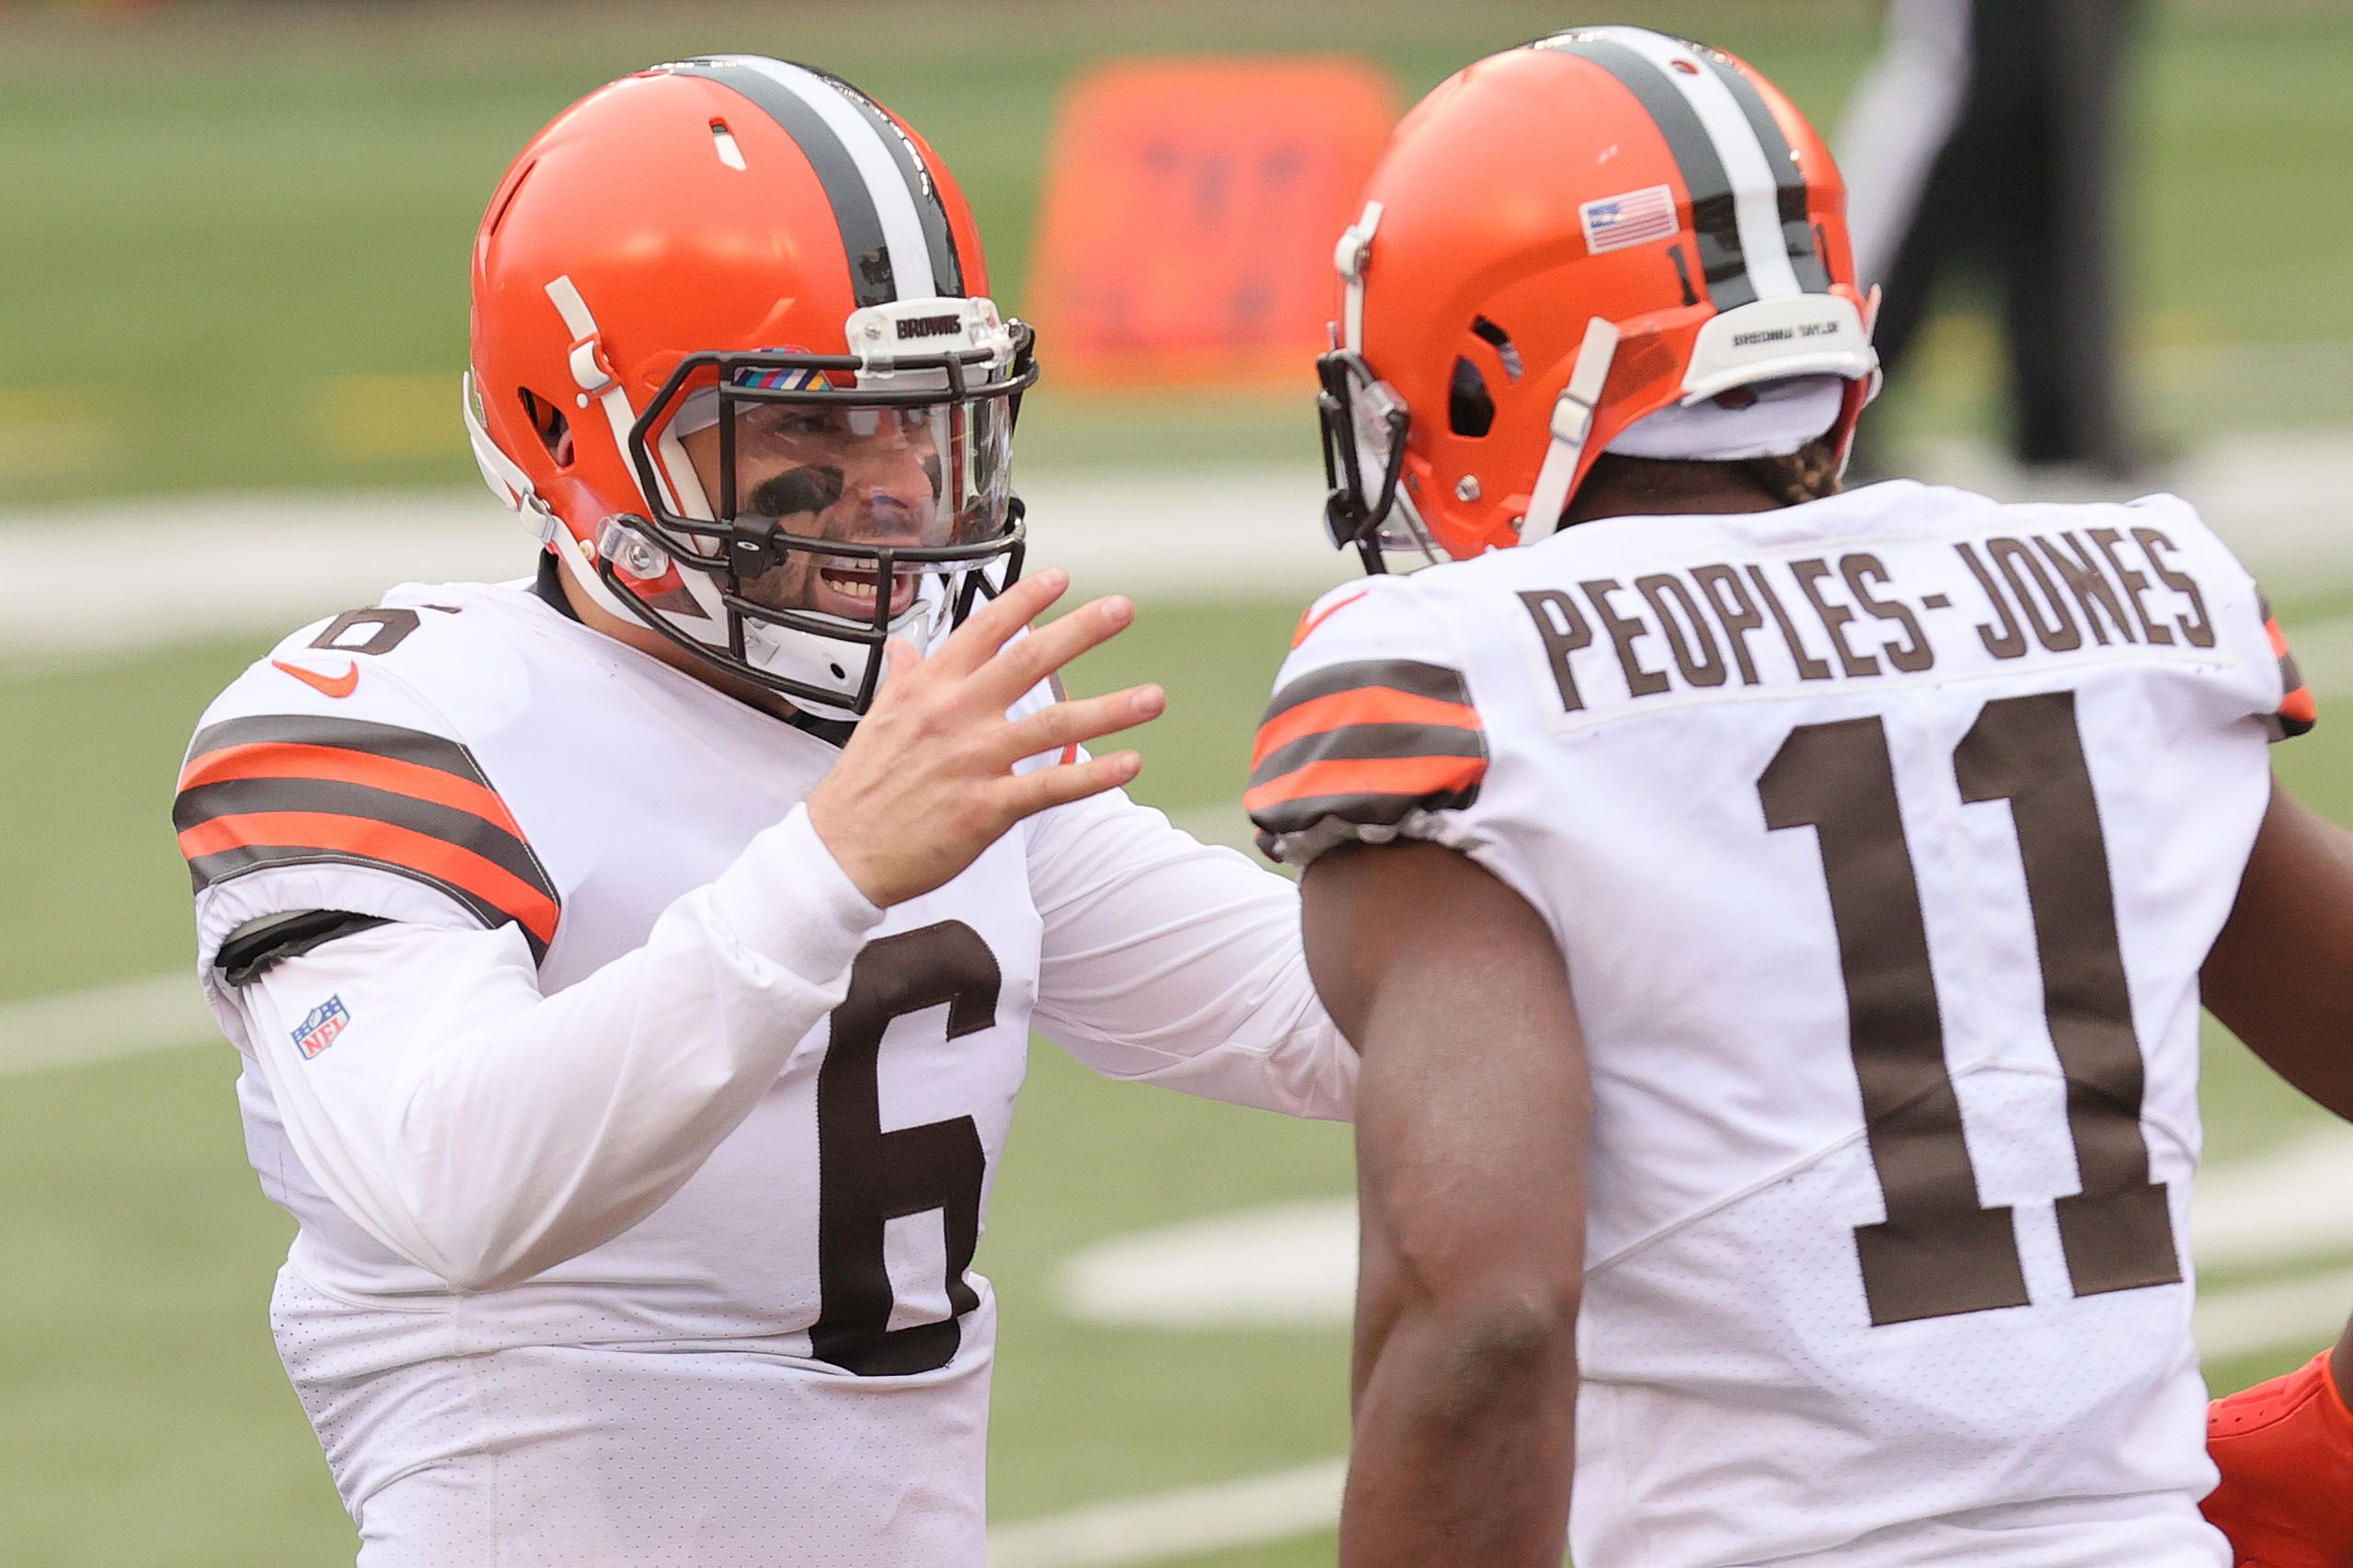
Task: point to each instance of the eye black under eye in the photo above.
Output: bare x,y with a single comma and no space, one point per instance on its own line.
794,491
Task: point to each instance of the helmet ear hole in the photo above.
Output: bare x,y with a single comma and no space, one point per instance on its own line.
1496,337
1470,411
555,432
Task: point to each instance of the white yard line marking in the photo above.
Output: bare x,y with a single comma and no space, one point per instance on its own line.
1176,1524
2250,1320
221,566
1293,1264
1290,1265
126,1018
2254,1318
217,565
2289,1202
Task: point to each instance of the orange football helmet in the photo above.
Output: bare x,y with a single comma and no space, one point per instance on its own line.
740,243
1559,241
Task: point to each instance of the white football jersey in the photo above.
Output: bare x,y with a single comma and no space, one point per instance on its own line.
1884,838
786,1359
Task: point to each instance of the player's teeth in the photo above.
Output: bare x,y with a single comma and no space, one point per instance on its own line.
861,589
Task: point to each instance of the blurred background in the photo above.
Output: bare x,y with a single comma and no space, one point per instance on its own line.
233,272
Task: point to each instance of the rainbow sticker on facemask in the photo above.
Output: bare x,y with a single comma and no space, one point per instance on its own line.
789,378
700,410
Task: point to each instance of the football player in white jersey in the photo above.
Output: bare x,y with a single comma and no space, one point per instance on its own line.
1771,917
634,968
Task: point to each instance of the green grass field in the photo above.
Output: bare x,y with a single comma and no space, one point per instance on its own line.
233,258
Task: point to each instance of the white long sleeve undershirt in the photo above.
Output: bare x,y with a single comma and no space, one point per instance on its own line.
485,1131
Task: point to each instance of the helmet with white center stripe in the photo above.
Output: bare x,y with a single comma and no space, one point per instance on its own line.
734,361
1561,242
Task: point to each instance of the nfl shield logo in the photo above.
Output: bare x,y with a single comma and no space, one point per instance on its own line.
318,1030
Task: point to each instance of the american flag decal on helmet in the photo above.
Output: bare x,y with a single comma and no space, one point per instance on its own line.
1747,195
1638,217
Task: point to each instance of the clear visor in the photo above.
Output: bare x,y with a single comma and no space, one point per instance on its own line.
916,474
887,484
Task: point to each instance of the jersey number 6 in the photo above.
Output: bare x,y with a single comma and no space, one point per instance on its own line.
866,1177
1938,1253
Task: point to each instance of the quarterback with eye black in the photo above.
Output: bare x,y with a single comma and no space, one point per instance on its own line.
1776,1116
634,968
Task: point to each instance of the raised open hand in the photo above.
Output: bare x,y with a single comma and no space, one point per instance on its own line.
926,782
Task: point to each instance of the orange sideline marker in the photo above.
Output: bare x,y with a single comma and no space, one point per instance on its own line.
1191,208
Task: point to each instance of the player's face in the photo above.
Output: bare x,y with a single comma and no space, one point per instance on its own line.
862,475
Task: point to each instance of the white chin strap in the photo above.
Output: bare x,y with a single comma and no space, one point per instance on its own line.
594,375
1572,424
503,473
513,487
1795,354
1354,250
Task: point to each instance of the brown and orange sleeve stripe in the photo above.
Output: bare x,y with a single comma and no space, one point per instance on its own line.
2298,710
306,789
1367,742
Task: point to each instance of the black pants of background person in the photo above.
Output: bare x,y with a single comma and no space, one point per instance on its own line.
1986,137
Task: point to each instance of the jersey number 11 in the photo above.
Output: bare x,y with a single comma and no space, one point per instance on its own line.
1938,1253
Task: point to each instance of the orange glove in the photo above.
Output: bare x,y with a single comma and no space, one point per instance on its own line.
2285,1449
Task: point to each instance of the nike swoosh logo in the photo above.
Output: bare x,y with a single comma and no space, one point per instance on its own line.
341,686
1313,620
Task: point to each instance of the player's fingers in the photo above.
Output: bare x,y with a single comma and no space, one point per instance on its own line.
1082,719
900,658
1059,785
1023,664
991,626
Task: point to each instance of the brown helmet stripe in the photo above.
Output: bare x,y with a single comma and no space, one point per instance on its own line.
1716,215
939,235
873,278
1797,219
